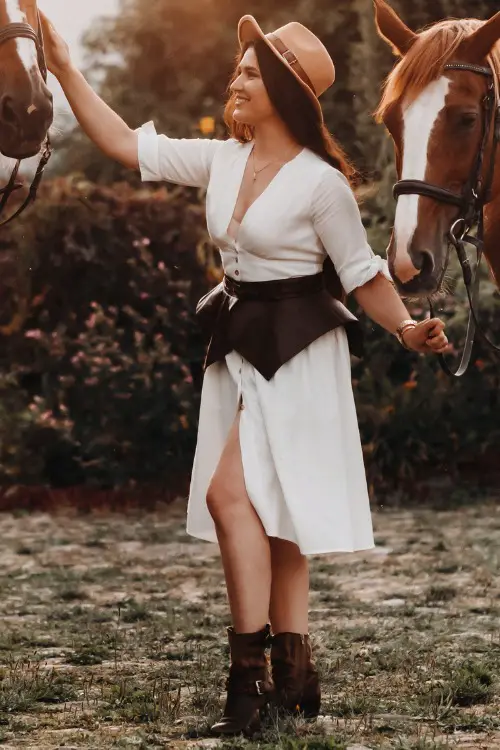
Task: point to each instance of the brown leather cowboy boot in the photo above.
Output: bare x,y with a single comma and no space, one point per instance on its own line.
249,686
296,680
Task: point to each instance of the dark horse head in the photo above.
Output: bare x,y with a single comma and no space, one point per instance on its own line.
437,117
26,110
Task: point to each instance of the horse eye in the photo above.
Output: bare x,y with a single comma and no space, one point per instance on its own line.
467,121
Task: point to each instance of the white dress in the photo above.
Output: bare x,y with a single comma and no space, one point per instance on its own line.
300,442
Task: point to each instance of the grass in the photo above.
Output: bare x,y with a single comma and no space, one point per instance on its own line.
113,635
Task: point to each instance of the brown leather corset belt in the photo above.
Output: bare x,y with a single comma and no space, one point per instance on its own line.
269,322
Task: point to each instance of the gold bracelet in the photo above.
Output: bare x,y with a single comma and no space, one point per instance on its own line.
402,328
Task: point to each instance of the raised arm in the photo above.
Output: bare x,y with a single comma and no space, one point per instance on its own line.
102,125
185,161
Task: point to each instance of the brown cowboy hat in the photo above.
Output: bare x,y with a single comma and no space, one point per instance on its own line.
297,48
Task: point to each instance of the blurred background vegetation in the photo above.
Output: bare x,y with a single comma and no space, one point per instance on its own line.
100,354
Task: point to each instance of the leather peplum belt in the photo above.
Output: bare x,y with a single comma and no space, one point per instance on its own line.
269,322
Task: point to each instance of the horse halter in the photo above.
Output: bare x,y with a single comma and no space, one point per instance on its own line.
471,203
15,31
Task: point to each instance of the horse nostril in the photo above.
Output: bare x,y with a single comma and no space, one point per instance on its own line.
7,111
424,261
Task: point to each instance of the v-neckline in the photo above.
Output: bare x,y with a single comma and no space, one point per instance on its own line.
240,183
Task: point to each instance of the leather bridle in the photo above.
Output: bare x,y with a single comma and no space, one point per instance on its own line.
15,31
471,203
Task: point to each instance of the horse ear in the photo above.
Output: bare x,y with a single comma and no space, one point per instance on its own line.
392,29
482,41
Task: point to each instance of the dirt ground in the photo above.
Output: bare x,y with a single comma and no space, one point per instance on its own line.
112,635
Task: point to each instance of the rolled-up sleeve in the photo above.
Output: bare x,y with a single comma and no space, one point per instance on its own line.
184,161
337,222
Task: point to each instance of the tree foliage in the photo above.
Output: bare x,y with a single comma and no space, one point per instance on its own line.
171,62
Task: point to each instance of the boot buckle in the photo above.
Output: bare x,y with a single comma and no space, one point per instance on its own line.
258,683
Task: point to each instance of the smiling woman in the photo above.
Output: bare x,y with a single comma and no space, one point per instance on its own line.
278,471
26,110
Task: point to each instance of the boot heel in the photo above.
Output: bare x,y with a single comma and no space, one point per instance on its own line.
265,711
310,708
248,686
254,725
311,698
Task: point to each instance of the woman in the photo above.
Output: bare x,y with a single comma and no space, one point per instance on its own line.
278,472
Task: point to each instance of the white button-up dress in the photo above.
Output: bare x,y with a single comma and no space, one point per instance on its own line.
299,435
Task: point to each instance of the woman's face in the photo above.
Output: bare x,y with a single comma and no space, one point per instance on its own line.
252,103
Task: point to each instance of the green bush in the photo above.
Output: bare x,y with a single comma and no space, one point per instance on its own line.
100,355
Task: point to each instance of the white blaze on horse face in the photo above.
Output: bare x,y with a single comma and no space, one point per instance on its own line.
418,122
26,49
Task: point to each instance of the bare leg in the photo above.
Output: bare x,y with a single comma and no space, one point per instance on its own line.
289,608
244,544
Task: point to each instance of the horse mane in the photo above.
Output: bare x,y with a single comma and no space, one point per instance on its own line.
423,63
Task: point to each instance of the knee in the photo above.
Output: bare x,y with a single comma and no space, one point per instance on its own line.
286,554
221,502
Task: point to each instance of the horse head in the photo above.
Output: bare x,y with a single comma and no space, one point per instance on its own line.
439,105
26,109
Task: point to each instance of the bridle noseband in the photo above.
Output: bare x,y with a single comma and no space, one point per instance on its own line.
471,203
20,30
15,31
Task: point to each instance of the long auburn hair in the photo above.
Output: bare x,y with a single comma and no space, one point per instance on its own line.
294,107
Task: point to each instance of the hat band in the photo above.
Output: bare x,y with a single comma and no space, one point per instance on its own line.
291,59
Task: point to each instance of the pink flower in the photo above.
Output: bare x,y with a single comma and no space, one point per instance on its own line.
77,358
34,334
144,242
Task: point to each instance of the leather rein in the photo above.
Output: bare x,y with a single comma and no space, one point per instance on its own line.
15,31
471,203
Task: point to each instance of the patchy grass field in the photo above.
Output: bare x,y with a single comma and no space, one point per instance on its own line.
112,635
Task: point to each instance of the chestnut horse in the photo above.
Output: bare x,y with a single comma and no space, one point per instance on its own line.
26,110
441,106
25,101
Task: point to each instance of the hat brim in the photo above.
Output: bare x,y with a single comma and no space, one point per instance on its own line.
249,31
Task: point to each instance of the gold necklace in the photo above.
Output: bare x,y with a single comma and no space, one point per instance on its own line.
258,171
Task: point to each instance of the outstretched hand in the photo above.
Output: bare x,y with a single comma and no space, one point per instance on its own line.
57,52
427,337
